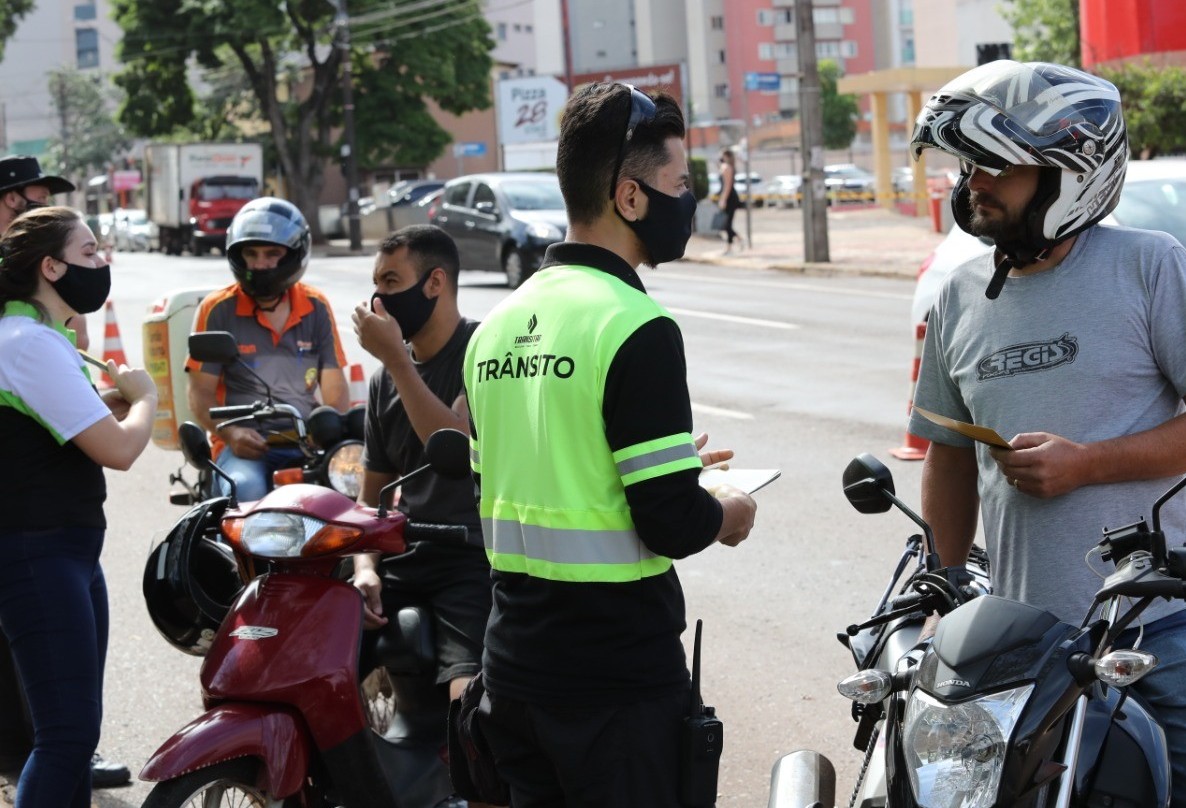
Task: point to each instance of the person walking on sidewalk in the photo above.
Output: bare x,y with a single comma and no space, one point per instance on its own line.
728,200
588,475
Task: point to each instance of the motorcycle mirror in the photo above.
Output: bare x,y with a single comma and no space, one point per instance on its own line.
194,446
448,453
214,346
325,426
868,484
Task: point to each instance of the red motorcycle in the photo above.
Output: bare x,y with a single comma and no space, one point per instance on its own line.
289,704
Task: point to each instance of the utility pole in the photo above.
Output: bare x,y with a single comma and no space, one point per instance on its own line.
811,131
342,32
567,35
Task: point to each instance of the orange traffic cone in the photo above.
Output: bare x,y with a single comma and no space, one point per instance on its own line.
914,447
113,347
358,385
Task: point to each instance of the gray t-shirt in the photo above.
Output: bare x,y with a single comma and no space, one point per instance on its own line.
1090,350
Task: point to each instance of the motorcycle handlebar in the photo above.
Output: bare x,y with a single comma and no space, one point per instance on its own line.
445,534
232,411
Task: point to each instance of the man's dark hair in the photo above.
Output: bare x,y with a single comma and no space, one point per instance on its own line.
591,133
428,246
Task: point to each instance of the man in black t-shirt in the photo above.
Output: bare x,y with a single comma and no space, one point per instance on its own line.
413,327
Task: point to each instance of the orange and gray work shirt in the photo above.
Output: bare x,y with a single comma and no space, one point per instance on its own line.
289,361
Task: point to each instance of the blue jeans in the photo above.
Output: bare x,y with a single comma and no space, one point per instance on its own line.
1165,691
253,478
53,609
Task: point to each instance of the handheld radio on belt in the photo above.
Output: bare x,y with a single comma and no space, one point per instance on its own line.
700,744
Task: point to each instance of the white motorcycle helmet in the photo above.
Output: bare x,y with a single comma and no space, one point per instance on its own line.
1061,119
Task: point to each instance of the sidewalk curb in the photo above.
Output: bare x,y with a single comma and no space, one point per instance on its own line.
817,269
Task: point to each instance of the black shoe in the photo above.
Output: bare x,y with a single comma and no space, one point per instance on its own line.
106,774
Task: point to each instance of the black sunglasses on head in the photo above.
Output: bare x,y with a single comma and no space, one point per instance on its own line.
642,110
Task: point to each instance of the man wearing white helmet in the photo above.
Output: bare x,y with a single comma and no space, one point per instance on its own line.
286,334
1069,338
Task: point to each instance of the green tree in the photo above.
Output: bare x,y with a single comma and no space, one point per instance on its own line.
1044,30
839,111
403,54
89,137
1154,100
11,14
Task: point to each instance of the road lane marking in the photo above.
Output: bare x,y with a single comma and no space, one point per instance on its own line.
722,412
732,318
802,287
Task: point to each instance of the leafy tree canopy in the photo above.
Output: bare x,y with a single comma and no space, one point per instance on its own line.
90,137
11,14
281,62
839,111
1154,100
1044,30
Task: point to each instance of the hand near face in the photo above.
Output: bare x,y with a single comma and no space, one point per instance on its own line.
377,331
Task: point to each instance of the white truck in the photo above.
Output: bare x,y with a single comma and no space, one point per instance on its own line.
195,189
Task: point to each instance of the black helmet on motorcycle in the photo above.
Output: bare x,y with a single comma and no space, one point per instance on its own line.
269,220
192,579
1063,120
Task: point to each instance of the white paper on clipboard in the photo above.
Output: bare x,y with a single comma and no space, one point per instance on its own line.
748,480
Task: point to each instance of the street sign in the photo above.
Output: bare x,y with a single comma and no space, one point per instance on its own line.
763,82
472,149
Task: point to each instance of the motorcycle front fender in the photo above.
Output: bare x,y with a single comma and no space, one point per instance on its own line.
802,779
276,736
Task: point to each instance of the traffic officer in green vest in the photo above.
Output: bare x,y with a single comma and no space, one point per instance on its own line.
588,472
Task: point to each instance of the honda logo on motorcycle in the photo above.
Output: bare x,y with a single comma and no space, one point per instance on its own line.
1028,357
254,632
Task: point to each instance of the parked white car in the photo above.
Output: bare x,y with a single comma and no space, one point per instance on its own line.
1154,198
132,231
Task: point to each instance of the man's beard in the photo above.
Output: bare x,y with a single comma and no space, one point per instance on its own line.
1002,226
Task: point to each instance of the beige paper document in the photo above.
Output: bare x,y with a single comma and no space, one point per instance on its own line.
980,433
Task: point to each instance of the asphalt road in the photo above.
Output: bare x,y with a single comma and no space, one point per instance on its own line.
793,372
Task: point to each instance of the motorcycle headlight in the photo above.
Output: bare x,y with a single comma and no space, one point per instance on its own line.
279,534
344,469
955,753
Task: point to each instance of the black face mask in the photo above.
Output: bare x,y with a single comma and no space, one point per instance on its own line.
411,308
84,289
665,231
32,204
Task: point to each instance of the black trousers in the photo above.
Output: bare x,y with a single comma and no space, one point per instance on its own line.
625,756
16,731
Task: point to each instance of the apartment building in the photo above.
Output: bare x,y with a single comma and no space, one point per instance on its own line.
55,34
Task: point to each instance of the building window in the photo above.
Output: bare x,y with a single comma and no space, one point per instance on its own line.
717,23
504,74
766,17
908,51
502,32
86,47
827,50
518,27
721,91
848,49
786,16
600,54
766,51
721,56
825,16
84,11
527,28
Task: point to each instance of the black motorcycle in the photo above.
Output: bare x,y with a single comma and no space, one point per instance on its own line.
1007,706
330,442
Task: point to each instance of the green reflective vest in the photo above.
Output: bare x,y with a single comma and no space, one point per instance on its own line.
553,499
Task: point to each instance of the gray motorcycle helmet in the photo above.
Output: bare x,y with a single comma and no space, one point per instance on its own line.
269,220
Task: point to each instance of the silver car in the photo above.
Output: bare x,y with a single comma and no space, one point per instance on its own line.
1154,198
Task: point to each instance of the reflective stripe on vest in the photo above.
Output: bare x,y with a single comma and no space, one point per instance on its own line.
654,458
610,556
